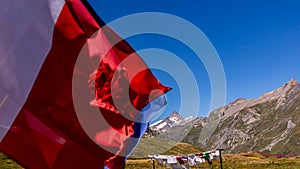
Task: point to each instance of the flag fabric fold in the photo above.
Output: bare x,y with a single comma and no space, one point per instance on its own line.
59,70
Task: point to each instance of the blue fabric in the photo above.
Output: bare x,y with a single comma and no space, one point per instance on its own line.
148,113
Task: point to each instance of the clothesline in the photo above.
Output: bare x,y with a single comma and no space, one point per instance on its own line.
185,161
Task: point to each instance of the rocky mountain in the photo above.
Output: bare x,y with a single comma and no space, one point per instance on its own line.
269,124
172,120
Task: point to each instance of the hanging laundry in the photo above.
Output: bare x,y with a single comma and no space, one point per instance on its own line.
185,161
171,160
192,160
179,160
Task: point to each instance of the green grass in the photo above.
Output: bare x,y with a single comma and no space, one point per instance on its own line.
6,163
152,146
230,161
149,146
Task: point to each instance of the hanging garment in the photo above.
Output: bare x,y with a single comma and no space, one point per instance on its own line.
192,160
171,160
198,160
179,160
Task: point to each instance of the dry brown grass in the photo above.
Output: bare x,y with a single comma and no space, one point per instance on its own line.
231,161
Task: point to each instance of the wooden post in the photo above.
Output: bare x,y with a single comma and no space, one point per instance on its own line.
153,164
220,155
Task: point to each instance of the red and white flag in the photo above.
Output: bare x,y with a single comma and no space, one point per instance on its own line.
58,69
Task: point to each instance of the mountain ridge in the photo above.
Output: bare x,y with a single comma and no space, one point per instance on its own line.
172,120
269,124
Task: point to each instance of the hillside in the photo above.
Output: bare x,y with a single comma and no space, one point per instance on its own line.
152,146
269,124
249,160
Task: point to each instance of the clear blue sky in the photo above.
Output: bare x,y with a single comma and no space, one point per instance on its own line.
258,42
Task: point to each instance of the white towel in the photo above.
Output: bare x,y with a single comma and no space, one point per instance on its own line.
171,160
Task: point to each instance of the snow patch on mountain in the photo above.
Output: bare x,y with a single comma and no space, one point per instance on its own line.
172,120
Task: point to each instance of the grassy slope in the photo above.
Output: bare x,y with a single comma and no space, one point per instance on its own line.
155,146
6,163
151,146
230,161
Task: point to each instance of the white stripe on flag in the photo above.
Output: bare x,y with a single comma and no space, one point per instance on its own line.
26,30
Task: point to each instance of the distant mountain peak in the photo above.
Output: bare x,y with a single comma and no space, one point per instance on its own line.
240,99
293,81
174,113
175,116
172,120
269,123
237,101
290,84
